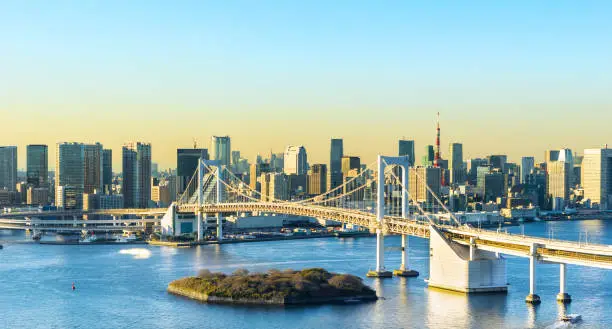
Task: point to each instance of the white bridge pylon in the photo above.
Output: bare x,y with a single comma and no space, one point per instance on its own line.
382,162
203,166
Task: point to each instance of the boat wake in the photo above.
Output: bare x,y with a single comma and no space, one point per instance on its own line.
137,253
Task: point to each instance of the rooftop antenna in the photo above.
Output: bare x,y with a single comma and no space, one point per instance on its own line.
195,143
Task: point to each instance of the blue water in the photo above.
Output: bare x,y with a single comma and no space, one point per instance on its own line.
124,286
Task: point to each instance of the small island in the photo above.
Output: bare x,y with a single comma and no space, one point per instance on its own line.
289,287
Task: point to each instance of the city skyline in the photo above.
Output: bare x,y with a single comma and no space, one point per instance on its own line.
506,79
170,163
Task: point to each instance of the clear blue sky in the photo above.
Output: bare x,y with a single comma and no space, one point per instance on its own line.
512,77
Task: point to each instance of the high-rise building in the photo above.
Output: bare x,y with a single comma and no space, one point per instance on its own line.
428,159
597,177
274,186
472,169
255,171
160,194
296,161
406,147
350,163
221,149
577,170
418,180
456,169
136,187
558,184
69,175
37,165
92,154
493,185
527,165
37,196
317,179
335,163
235,157
107,171
559,167
8,167
186,167
498,162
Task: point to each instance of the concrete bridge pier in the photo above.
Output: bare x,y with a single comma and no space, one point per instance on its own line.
404,269
456,267
563,297
380,271
532,298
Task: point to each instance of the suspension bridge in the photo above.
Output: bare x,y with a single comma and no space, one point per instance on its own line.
378,197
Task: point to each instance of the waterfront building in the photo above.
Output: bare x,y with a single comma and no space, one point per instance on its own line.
107,171
221,149
527,165
455,168
114,201
91,201
37,171
406,147
92,161
136,187
317,179
296,161
186,166
37,196
558,183
8,167
559,167
69,175
335,163
577,170
597,177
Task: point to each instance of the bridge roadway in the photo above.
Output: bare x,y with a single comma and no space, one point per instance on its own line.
548,250
151,212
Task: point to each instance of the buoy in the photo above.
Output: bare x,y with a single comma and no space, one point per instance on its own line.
73,287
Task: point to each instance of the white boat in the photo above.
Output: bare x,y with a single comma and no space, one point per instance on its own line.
127,237
571,318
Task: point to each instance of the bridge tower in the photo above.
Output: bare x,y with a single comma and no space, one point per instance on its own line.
203,164
380,271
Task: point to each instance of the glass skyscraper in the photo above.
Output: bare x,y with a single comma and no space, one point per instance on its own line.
8,167
69,175
406,147
136,188
221,149
335,163
37,165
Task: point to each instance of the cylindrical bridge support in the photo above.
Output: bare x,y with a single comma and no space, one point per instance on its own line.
563,296
219,227
380,251
404,269
532,298
199,219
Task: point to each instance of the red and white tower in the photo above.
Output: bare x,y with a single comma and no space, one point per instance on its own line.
437,154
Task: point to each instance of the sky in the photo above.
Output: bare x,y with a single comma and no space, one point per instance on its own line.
508,77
